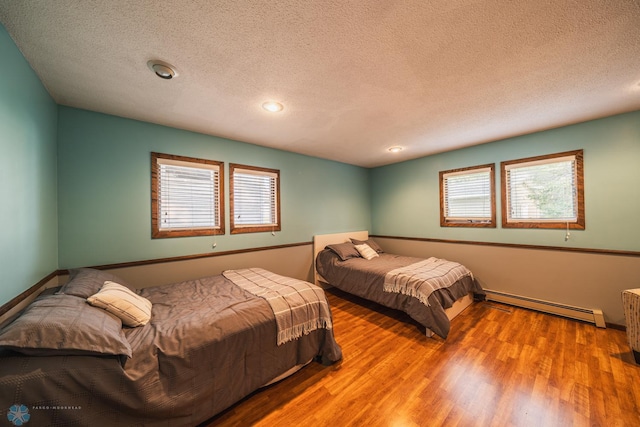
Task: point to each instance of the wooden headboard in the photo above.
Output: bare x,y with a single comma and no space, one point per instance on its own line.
322,240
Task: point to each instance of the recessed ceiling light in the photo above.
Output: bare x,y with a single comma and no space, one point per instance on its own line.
273,107
395,149
162,69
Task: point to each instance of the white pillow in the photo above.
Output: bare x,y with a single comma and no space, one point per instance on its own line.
120,301
366,251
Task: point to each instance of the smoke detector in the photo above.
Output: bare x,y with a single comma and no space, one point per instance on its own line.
162,69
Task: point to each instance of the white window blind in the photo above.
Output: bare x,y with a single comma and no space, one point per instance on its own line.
188,195
255,198
467,195
542,190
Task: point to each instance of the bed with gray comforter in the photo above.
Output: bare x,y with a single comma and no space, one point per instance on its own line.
345,269
209,343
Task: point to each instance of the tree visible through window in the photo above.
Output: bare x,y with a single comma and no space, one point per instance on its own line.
544,192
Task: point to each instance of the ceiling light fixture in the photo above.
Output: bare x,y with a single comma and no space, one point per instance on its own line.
162,69
395,149
273,107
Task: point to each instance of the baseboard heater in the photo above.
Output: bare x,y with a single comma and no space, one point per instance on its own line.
588,315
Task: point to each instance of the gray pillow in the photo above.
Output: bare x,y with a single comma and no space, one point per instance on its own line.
62,325
344,250
372,244
84,282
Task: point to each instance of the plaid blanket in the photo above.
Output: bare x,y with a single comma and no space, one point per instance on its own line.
299,307
420,279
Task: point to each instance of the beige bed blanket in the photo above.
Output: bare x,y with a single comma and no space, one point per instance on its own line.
422,278
299,307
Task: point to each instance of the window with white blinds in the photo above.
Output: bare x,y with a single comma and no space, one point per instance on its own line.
254,199
467,197
544,192
186,196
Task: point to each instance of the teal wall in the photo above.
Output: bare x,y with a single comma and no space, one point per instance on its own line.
28,211
405,196
105,180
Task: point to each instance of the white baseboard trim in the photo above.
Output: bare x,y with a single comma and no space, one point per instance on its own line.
591,315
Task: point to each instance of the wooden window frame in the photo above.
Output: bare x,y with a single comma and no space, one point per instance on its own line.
446,222
156,232
577,224
239,229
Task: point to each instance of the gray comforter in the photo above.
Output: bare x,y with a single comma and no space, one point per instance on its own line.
209,344
365,278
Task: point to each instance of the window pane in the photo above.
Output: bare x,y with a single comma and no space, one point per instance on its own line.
188,197
254,199
543,192
468,196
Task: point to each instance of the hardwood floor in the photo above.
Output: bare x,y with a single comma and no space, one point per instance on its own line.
500,366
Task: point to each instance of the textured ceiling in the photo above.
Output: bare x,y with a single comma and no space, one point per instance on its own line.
355,78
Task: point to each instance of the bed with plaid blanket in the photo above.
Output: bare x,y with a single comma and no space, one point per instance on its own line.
422,288
299,307
209,344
